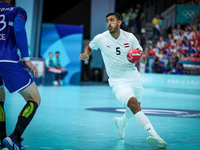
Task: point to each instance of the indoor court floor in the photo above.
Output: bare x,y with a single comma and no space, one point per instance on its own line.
81,118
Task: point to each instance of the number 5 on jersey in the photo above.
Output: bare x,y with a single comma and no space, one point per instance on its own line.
118,52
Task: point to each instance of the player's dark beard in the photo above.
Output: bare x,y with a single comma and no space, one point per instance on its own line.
114,29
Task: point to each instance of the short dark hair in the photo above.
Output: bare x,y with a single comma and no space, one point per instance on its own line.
118,16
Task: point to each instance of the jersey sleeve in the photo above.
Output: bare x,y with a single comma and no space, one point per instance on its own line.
21,13
94,44
20,36
136,43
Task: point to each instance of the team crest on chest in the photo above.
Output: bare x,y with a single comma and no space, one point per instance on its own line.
126,45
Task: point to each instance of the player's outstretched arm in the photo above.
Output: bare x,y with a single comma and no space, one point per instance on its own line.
85,55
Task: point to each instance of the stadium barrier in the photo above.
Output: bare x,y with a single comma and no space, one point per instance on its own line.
170,81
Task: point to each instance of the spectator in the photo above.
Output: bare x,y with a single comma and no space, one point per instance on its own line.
156,27
178,29
173,48
160,43
150,51
196,21
140,17
179,54
170,65
125,20
175,37
178,44
179,68
63,72
198,26
143,38
190,34
161,55
187,33
132,16
191,50
197,33
156,49
133,32
158,66
198,51
181,35
168,52
169,39
49,63
185,46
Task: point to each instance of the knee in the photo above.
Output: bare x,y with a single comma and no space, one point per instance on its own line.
134,105
35,98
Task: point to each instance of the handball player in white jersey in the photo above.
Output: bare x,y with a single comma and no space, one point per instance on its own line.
123,75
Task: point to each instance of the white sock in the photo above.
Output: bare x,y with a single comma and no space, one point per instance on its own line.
127,116
145,123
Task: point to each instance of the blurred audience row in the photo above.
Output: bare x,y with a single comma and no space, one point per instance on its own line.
183,41
173,66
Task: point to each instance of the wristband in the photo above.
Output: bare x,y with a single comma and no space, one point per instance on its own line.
26,58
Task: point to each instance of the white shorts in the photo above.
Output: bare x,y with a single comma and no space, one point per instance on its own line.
127,86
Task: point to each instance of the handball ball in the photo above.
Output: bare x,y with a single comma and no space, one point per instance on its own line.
134,55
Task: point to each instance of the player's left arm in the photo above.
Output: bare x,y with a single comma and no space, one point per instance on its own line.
22,42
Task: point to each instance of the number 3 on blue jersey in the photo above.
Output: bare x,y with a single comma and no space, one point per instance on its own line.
118,52
2,21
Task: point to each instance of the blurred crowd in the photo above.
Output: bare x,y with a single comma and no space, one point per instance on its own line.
181,42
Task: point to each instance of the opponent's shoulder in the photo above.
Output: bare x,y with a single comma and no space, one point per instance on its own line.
20,12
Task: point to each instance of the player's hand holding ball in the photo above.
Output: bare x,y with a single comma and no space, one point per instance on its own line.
134,55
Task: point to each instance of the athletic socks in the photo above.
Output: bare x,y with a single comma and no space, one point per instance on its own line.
127,116
24,118
2,122
145,123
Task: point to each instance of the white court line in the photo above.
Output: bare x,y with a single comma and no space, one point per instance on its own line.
46,147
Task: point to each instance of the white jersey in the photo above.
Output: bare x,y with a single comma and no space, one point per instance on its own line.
114,51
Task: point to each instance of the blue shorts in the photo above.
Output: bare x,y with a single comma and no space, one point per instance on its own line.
14,76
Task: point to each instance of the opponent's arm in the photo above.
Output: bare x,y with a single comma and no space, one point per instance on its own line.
21,39
86,54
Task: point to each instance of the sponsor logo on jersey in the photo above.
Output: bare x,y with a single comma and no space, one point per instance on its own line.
155,112
108,46
6,9
126,45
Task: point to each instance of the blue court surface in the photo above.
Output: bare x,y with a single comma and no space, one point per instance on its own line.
81,118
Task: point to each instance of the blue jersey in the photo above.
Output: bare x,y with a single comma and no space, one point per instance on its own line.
8,44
